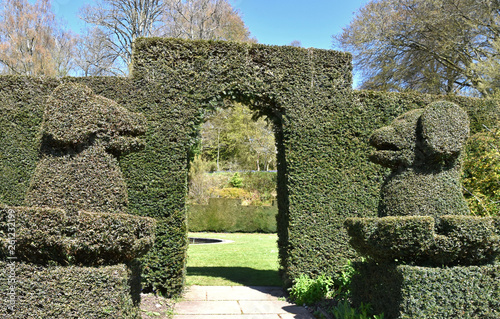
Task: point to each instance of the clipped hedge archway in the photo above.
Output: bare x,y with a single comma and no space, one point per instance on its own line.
295,88
322,131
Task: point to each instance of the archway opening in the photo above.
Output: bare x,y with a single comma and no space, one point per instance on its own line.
233,195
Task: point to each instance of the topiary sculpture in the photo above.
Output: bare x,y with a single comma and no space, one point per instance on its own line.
423,250
74,224
424,212
82,133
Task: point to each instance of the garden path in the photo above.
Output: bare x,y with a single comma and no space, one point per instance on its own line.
237,302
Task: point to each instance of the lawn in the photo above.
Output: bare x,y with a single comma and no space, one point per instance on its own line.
251,260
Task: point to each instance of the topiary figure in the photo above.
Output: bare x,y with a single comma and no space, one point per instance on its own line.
423,252
422,147
423,212
74,235
82,133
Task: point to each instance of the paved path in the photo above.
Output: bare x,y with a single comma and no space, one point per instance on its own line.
237,302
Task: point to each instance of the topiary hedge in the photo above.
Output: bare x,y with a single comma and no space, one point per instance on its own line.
69,292
297,89
51,235
404,292
228,215
322,130
153,190
420,240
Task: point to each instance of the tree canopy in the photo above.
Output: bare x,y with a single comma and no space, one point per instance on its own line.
232,139
32,41
117,23
431,46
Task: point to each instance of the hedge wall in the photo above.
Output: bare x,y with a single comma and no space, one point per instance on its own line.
297,89
156,186
407,292
228,215
69,292
52,236
322,129
420,240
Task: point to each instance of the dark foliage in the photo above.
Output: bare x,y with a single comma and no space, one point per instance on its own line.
402,291
322,131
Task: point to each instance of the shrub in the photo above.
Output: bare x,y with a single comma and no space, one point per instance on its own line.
422,148
307,291
236,180
481,173
228,215
344,310
452,240
403,291
231,192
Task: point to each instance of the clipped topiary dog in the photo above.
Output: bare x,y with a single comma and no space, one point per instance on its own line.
423,147
74,240
425,257
82,133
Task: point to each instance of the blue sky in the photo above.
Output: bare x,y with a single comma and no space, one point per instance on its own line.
276,22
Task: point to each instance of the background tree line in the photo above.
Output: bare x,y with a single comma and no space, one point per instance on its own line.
430,46
231,139
33,42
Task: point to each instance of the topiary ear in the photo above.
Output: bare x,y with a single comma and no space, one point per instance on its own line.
66,113
445,129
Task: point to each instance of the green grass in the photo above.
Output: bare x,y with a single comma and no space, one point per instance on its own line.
252,260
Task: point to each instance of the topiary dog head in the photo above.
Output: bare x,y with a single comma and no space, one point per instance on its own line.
427,136
75,116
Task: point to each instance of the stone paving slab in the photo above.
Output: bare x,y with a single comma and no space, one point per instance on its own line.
272,306
208,307
276,316
237,302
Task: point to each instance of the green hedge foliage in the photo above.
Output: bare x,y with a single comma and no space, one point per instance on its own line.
417,240
481,173
228,215
156,185
422,147
70,291
76,169
297,89
51,235
407,292
322,131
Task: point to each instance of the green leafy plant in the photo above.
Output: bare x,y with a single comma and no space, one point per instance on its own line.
344,310
481,173
342,281
236,180
307,291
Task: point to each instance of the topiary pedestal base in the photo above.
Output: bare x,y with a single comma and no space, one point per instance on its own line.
68,292
401,291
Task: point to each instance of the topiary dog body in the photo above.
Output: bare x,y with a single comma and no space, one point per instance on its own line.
422,147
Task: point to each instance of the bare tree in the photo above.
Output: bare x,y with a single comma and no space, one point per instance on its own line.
31,41
425,45
122,21
204,19
94,55
64,52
